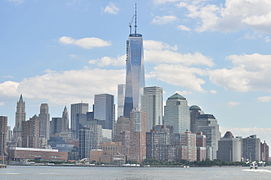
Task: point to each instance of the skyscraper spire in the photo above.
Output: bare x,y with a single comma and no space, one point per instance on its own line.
135,18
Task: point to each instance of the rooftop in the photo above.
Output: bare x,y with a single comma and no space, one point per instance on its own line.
177,96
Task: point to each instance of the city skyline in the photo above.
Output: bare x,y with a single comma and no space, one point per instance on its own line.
230,112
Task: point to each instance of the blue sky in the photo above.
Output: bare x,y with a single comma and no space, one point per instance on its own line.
216,53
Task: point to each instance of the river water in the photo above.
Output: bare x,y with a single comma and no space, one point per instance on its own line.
109,173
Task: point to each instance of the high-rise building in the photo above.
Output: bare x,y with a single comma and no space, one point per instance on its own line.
207,124
31,132
188,150
89,138
104,109
65,120
264,152
19,119
44,118
201,146
195,111
152,104
55,126
251,148
135,75
229,148
160,144
177,113
123,132
121,95
137,150
79,108
3,135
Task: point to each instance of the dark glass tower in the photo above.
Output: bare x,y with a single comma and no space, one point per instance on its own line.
135,76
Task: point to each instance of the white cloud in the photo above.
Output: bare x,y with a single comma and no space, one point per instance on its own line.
109,61
111,8
179,75
233,103
163,19
66,86
9,88
213,91
164,1
183,93
231,16
264,99
16,1
87,43
184,28
250,72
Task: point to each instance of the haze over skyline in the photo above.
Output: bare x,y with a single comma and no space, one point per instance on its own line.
215,53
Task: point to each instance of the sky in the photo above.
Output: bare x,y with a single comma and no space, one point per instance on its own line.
216,53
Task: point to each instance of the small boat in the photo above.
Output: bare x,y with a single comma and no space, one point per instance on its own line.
3,166
253,165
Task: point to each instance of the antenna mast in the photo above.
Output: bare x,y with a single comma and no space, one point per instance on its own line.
135,18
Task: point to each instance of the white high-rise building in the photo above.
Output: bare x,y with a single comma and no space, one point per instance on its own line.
177,113
152,104
121,96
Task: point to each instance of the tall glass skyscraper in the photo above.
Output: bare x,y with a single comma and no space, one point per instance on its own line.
135,76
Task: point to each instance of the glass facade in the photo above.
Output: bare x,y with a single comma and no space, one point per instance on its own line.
135,77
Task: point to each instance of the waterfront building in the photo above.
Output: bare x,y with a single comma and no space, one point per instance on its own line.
229,148
251,148
264,152
44,118
104,109
177,113
207,124
79,108
121,95
19,119
195,111
135,75
3,135
201,146
22,154
160,144
152,104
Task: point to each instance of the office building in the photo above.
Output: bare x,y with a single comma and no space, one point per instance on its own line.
177,113
195,111
19,119
152,104
3,135
79,108
135,75
44,118
89,138
229,148
65,120
207,124
121,95
104,109
251,148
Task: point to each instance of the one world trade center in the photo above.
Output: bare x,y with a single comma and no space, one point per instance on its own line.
135,76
